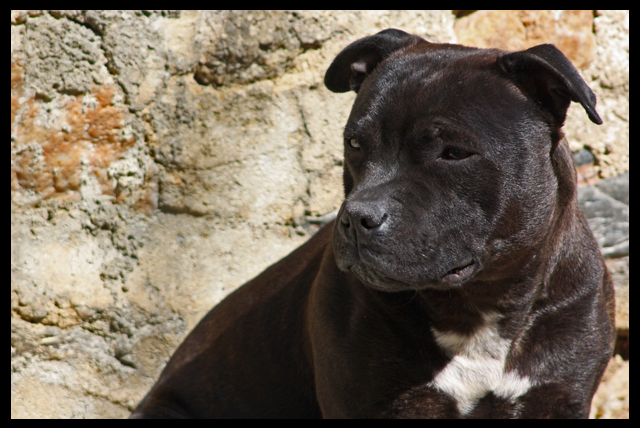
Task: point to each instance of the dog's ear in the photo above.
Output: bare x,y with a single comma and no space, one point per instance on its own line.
349,69
547,76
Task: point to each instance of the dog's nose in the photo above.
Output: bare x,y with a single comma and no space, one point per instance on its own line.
363,218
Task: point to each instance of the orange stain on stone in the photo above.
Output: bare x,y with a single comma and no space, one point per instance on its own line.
50,152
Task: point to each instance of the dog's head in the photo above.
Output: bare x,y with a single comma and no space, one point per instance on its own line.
452,163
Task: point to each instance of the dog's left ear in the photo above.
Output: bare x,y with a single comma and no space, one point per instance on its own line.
546,75
349,69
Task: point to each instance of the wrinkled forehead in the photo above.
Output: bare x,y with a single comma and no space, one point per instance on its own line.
455,85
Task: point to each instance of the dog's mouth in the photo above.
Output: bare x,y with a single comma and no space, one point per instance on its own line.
386,281
460,273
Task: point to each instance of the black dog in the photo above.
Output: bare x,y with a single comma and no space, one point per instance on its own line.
460,278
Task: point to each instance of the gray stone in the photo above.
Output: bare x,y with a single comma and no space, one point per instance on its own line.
608,217
616,187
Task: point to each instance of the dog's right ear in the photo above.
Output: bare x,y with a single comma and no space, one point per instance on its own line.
357,61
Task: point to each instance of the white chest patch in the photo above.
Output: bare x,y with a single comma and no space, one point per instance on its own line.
477,366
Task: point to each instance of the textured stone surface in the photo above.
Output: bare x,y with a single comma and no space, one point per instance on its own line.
608,217
570,30
612,399
160,158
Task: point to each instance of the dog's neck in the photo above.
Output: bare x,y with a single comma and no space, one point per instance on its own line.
464,311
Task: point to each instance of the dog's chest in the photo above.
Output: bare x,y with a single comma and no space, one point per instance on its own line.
477,367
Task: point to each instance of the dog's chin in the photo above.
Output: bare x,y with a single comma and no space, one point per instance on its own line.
384,281
379,281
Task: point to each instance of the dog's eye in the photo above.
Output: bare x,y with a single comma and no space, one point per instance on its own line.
454,153
353,143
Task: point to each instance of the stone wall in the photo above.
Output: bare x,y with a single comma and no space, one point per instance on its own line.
154,153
